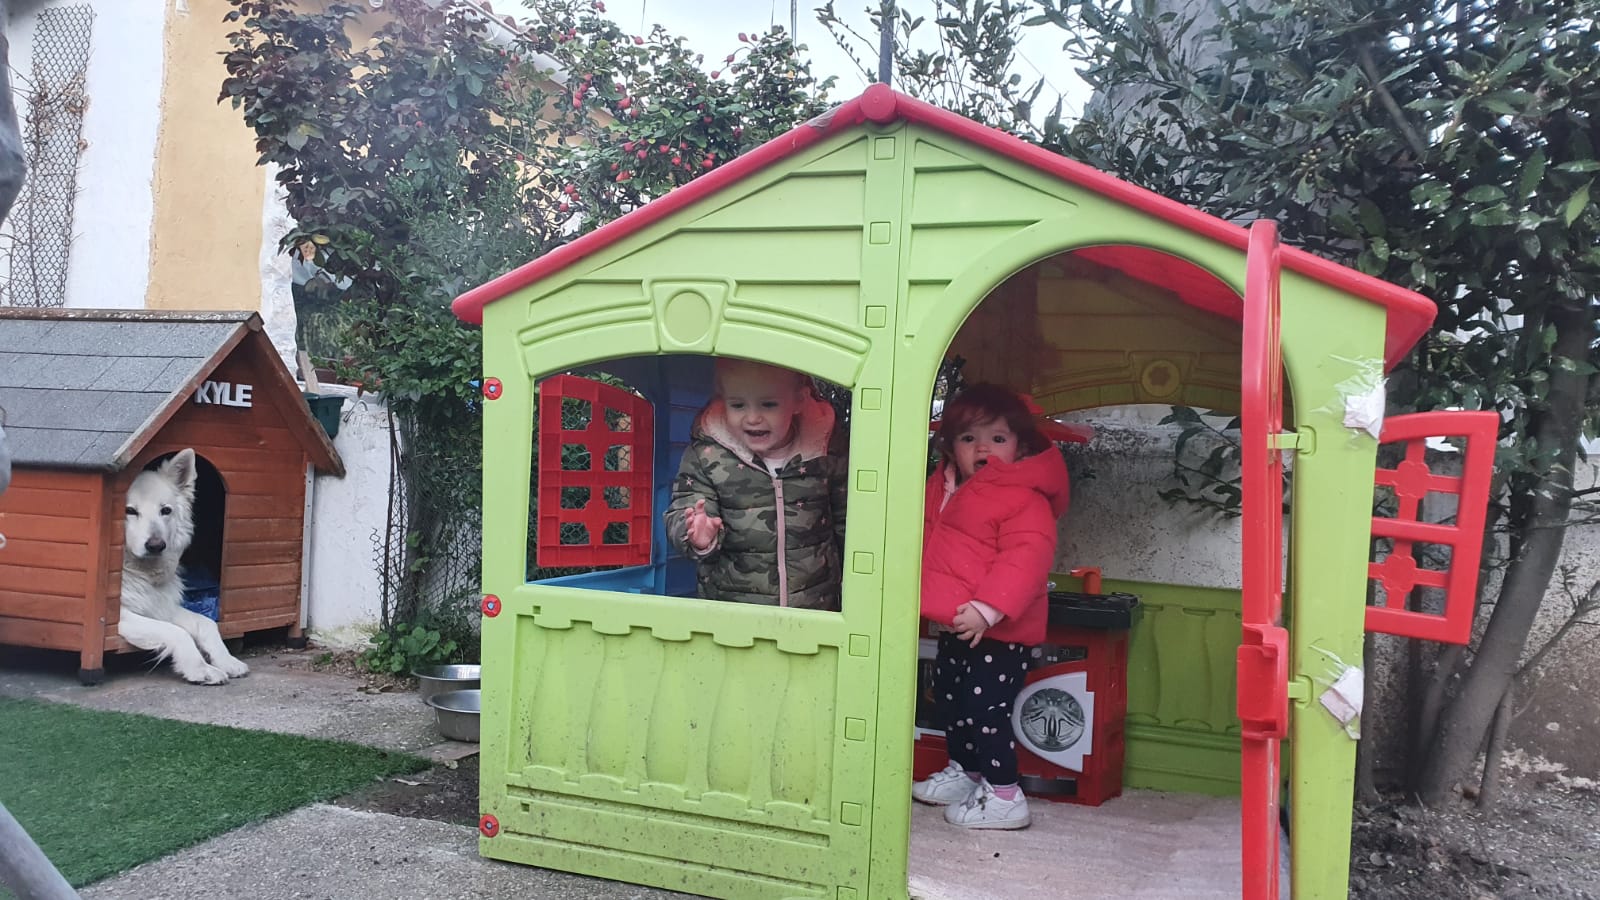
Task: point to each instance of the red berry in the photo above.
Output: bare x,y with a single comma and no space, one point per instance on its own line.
600,6
613,167
664,148
743,38
628,146
707,120
677,160
624,103
707,163
729,59
716,75
640,154
683,145
563,207
633,114
637,39
624,176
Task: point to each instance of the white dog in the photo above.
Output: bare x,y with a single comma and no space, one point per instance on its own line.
159,525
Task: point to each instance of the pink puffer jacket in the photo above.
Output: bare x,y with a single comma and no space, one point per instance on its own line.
995,541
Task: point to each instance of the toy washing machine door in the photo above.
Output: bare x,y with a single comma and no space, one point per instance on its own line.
1053,718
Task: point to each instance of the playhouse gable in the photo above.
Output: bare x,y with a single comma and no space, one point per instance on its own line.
1408,314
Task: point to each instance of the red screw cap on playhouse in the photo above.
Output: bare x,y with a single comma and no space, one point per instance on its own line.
491,605
489,825
492,388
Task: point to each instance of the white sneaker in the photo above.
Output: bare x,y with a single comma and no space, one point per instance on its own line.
984,809
942,788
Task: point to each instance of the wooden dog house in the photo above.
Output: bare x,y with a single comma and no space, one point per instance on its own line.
91,398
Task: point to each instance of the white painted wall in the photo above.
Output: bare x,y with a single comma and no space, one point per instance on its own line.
109,264
344,599
277,297
1118,521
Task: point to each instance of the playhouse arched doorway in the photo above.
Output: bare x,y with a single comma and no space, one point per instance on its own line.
1084,330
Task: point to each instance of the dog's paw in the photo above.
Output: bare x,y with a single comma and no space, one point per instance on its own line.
234,668
206,674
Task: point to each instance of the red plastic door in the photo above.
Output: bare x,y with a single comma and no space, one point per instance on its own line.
1263,659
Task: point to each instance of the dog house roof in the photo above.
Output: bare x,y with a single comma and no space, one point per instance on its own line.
1409,313
88,388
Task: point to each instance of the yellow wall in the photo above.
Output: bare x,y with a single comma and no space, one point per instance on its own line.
206,238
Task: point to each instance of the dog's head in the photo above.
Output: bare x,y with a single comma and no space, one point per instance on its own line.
159,515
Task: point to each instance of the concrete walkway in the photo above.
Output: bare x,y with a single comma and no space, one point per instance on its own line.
323,851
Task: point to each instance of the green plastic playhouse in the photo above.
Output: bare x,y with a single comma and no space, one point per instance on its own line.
632,732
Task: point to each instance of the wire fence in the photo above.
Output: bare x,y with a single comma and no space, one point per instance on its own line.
56,90
429,551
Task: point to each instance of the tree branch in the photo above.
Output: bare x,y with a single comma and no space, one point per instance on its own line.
1370,68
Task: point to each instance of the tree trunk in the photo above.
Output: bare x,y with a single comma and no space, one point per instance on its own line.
1445,669
1489,791
13,165
1463,725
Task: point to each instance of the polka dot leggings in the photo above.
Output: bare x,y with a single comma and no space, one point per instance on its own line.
975,687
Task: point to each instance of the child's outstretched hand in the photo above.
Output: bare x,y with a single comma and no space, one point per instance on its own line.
703,529
969,624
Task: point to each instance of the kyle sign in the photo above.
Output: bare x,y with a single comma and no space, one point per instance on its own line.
223,393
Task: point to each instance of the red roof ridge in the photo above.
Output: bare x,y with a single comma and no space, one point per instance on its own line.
1409,313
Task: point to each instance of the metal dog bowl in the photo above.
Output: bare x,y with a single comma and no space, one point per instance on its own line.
458,714
433,680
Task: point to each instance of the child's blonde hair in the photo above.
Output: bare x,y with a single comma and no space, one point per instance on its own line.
730,367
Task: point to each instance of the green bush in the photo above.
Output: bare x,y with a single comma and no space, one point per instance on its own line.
405,647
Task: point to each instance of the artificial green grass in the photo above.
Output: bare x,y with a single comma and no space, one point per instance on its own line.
102,792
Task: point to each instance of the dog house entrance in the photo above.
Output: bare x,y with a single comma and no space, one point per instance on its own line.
202,562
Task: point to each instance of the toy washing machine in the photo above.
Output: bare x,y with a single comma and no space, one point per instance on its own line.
1068,718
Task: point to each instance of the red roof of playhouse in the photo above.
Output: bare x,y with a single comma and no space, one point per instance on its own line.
1409,313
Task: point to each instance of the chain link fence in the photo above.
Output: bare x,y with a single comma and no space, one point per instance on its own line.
41,222
428,554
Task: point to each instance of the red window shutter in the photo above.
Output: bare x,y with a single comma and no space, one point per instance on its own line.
595,480
1411,481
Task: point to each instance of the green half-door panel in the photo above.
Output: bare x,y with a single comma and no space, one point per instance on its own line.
1183,725
716,748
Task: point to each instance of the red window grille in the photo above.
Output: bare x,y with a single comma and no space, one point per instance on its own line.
1411,481
595,480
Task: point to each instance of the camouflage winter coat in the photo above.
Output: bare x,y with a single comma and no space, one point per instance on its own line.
743,564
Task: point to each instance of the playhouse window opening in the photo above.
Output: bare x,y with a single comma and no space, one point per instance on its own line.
616,445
